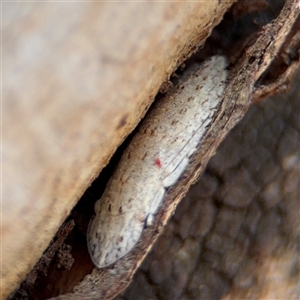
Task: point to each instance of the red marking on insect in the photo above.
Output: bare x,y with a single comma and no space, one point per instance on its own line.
158,162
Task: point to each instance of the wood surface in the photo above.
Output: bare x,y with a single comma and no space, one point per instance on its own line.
77,78
245,71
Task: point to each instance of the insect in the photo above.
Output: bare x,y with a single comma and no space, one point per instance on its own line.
154,161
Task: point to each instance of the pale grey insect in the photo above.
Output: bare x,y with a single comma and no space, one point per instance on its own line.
155,159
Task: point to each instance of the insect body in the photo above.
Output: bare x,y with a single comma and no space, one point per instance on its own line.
155,159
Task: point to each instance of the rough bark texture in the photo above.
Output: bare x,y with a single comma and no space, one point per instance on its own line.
77,78
245,70
244,74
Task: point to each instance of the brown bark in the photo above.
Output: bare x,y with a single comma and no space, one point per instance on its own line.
243,77
245,71
78,77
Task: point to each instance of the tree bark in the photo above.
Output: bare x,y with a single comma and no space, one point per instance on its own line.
78,77
71,126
